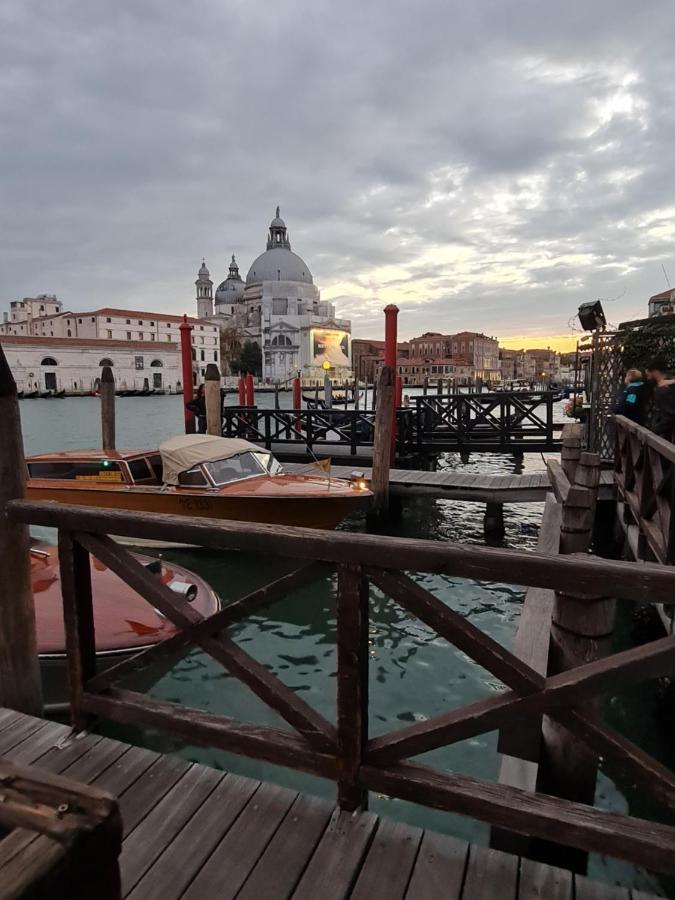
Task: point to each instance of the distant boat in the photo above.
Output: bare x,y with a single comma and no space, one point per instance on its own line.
30,395
45,395
60,394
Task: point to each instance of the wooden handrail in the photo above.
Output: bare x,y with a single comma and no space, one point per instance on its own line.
645,436
343,752
649,583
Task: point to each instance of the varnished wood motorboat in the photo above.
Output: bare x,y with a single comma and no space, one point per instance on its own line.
124,622
196,475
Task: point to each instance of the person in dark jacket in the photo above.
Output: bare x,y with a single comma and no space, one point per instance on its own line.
632,401
663,418
198,407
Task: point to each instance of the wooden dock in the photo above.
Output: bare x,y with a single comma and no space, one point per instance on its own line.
452,485
194,832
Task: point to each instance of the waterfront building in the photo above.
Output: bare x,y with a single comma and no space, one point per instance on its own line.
534,365
414,371
112,324
662,304
368,356
467,349
23,312
74,365
280,308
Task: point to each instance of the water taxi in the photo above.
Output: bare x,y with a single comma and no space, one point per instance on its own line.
196,475
124,622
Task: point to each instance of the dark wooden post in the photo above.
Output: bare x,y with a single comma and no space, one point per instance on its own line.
571,449
493,521
108,409
581,632
20,686
214,401
276,394
382,442
327,391
352,684
78,618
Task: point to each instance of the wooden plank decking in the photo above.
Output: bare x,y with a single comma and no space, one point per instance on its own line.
194,832
453,485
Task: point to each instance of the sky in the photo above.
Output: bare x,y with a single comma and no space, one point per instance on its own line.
485,166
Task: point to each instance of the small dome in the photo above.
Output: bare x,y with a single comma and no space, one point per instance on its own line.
203,270
232,289
279,264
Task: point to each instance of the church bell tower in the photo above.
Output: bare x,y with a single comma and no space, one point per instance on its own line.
204,292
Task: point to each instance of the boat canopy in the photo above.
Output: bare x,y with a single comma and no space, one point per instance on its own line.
179,454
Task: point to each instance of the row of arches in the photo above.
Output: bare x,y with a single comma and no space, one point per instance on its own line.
50,361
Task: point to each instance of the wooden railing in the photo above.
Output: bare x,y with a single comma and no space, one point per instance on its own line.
492,421
317,429
644,471
344,751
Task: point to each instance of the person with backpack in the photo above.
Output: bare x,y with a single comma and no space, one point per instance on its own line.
632,401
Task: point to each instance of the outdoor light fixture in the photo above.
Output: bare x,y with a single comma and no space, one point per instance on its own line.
592,317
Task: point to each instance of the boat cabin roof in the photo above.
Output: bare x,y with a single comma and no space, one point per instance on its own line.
91,455
179,454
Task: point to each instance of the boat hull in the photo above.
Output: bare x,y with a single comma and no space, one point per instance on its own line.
323,512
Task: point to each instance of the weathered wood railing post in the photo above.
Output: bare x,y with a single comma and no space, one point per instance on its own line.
384,418
581,632
571,449
78,618
352,684
107,409
213,400
20,686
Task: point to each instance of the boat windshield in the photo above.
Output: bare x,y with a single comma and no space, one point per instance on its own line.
244,465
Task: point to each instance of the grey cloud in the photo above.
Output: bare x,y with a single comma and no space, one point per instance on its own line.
459,145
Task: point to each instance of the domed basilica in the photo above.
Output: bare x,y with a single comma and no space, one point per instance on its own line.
280,308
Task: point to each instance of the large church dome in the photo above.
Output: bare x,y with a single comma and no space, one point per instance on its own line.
278,262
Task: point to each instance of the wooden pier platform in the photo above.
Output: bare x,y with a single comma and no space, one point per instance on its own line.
194,832
453,485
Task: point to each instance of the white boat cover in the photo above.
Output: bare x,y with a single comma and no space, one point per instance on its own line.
179,454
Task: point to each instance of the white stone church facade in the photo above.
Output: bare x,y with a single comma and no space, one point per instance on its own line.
280,308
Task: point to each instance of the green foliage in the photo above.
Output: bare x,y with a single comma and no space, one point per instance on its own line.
250,360
643,342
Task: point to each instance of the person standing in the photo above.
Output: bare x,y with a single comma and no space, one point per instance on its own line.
198,407
663,418
632,401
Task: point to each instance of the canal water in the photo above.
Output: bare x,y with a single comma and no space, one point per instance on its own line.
414,675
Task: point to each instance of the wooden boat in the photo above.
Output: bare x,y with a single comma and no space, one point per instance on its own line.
45,395
30,395
196,475
59,395
125,623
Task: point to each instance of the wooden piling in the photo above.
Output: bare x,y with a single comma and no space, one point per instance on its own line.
581,633
493,521
327,391
107,409
384,418
20,686
214,401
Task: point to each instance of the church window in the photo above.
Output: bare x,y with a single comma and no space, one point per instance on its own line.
215,356
128,335
140,335
105,362
202,356
128,321
49,361
108,319
156,364
152,335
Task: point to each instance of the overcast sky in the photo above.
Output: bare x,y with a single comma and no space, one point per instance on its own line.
486,165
